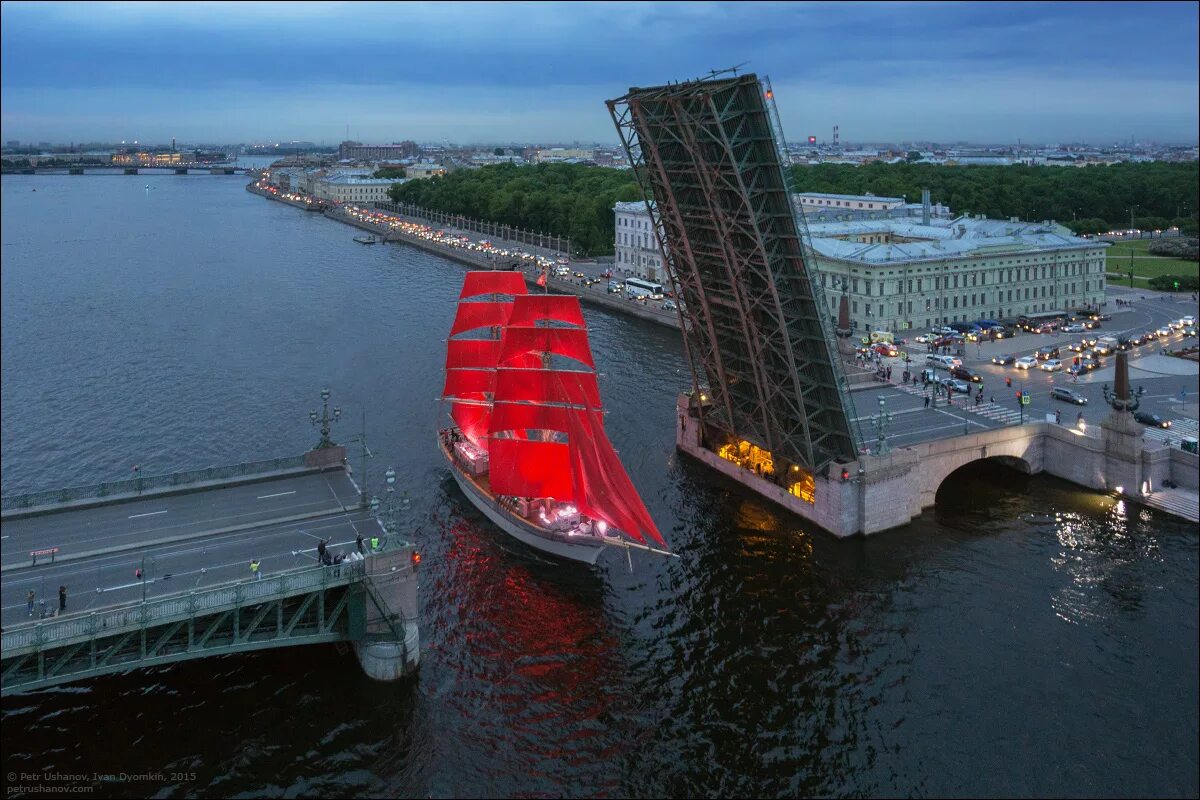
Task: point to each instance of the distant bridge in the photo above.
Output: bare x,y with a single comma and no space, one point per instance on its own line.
129,169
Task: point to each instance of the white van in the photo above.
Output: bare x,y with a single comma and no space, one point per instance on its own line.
1106,344
940,362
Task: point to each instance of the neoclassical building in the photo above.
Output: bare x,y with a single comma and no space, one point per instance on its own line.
901,273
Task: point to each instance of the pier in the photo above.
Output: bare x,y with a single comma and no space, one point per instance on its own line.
157,570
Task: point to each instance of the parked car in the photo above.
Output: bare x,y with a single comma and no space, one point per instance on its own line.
966,375
1050,365
1003,361
1153,420
1062,393
1026,362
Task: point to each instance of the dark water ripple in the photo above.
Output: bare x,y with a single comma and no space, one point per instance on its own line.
1024,638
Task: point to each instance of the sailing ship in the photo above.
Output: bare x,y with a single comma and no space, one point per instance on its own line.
527,444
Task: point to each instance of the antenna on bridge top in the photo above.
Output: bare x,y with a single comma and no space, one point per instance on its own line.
731,70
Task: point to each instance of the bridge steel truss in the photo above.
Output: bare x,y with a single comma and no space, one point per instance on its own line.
710,166
308,606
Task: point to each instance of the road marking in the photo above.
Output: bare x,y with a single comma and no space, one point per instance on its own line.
148,514
277,494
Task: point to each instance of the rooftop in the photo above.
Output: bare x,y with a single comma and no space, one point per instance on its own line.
940,239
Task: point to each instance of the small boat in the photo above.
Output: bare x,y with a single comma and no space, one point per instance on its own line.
365,239
527,444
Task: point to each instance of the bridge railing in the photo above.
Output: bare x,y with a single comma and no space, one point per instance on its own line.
150,482
138,614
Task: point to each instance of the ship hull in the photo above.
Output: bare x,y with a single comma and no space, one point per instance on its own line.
514,526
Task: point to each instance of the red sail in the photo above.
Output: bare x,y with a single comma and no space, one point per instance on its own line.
524,416
531,308
548,386
478,283
469,384
600,486
569,342
472,420
523,468
472,353
479,315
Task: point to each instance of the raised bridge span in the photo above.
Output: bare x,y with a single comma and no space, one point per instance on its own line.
157,570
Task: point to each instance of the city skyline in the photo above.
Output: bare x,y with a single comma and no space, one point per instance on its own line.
455,72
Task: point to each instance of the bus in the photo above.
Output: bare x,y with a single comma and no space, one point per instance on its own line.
636,287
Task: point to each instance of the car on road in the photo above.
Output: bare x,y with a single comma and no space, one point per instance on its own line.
956,385
1189,321
1153,420
669,305
1105,317
1076,347
1137,339
1050,365
967,375
1164,331
1075,327
1026,362
888,350
1046,353
615,287
578,274
1003,361
924,338
1189,331
1079,369
1062,393
1150,335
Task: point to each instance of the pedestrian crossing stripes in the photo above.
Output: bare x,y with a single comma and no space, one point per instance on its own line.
1180,428
992,411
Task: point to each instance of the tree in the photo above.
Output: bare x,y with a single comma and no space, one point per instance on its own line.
499,151
912,156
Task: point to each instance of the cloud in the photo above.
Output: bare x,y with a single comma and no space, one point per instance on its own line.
544,69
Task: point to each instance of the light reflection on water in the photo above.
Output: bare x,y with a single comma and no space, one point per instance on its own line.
1024,637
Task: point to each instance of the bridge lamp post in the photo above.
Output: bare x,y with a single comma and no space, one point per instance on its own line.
325,419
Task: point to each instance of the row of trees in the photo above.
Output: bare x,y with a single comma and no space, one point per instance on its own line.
571,200
1090,199
576,200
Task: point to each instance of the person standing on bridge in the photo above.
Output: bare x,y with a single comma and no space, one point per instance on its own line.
62,599
321,551
29,602
358,543
254,569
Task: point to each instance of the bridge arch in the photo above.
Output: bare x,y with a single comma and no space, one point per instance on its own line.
1018,449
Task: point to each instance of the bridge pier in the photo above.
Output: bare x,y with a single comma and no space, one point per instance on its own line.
75,171
131,170
181,170
390,648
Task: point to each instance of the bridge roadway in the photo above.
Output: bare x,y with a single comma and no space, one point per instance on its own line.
184,541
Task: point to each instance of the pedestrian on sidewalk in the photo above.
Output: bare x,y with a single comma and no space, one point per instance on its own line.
62,599
926,405
29,602
1058,418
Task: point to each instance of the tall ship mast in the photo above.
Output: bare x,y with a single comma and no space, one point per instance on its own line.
527,443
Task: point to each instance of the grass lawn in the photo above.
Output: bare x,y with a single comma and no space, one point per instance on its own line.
1145,266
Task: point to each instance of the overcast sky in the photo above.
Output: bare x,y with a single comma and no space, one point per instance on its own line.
540,72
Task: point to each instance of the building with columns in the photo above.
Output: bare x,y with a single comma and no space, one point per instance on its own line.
901,273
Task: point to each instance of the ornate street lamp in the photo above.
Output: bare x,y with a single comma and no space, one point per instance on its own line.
882,420
324,419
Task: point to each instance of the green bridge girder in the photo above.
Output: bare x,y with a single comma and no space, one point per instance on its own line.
308,606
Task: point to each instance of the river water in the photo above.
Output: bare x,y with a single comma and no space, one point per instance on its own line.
1025,638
